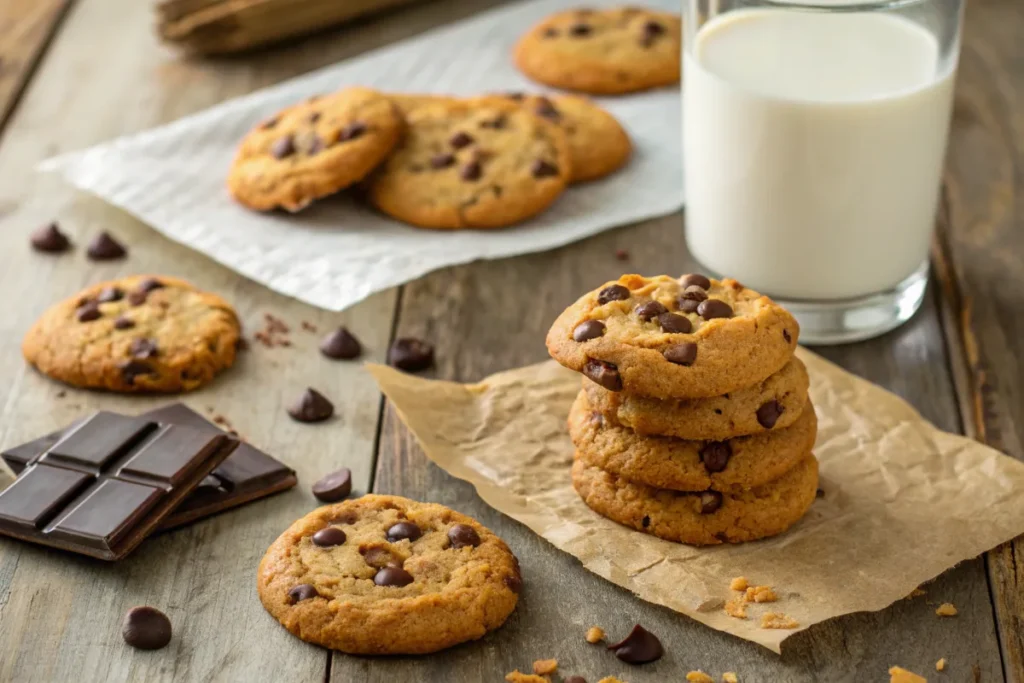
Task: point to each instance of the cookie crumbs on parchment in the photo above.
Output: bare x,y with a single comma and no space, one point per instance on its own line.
730,677
518,677
916,593
308,326
901,675
778,620
760,594
699,677
940,665
611,679
595,634
946,609
736,607
739,583
545,667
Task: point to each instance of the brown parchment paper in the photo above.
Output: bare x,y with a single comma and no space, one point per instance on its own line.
903,500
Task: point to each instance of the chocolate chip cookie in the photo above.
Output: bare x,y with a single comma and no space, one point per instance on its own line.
472,165
603,51
665,462
663,337
700,518
314,149
772,404
144,333
388,575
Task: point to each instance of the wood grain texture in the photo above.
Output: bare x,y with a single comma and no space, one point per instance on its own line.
25,29
490,316
981,263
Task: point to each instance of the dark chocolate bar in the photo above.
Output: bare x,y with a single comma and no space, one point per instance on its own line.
108,482
248,474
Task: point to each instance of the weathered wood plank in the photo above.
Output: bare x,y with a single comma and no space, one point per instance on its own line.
504,310
26,27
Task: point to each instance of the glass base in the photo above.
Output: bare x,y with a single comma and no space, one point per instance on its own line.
850,320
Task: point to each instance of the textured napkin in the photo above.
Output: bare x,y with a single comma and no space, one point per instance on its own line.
903,501
338,252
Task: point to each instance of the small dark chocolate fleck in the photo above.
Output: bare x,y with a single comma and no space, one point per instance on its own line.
283,147
645,522
543,169
785,335
547,109
471,170
351,131
460,139
442,160
143,348
133,368
123,323
579,30
110,294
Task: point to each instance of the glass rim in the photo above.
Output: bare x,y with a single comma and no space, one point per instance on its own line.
840,7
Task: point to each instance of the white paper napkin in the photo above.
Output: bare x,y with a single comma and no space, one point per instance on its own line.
338,251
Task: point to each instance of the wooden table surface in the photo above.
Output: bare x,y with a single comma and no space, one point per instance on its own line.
78,72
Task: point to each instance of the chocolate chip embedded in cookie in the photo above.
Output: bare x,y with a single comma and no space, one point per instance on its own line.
457,167
313,149
390,576
606,51
136,334
736,340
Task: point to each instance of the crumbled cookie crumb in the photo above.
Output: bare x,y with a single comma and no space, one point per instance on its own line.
777,620
916,593
622,254
901,675
760,594
611,679
518,677
946,609
940,665
739,583
308,326
595,634
736,607
699,677
730,677
544,667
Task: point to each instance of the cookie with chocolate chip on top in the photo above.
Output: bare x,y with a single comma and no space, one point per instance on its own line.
138,334
387,575
314,149
674,338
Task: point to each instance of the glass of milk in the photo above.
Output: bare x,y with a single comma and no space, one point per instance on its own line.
814,138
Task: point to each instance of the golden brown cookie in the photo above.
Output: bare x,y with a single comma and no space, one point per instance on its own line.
666,338
314,149
388,575
669,463
774,403
145,333
603,51
704,518
472,165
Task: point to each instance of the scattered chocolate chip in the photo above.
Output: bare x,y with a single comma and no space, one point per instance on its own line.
613,293
785,335
649,310
819,493
312,406
462,535
714,308
88,312
639,647
645,522
143,348
146,628
497,123
622,254
50,239
579,30
329,537
404,531
587,330
683,353
123,323
460,140
103,247
303,591
351,131
392,576
710,501
514,583
109,294
674,323
550,32
133,368
543,169
411,354
768,414
471,170
695,280
715,455
334,486
442,160
341,345
603,373
691,298
283,147
546,109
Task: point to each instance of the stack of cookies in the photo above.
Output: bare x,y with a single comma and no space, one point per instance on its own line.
693,423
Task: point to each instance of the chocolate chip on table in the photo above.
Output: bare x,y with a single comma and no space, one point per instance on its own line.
471,170
695,280
649,310
442,160
587,330
312,406
613,293
639,647
462,535
460,139
50,239
710,501
546,109
603,373
109,294
283,147
411,354
123,323
329,537
675,323
404,531
143,348
146,628
714,308
88,312
715,455
393,576
303,591
579,30
769,413
133,368
351,131
103,247
341,345
683,353
543,169
334,486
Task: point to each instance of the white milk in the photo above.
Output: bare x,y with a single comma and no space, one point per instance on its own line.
814,146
